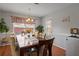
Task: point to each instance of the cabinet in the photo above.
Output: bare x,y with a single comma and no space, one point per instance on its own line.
72,46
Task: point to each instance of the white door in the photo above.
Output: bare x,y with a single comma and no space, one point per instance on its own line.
72,46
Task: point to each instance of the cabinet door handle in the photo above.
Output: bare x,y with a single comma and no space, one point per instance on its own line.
66,39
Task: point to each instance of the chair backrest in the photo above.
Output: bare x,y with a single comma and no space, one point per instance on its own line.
46,47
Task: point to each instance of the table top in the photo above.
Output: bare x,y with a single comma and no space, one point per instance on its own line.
22,41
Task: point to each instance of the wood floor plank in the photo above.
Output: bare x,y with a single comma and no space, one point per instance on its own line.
56,51
6,51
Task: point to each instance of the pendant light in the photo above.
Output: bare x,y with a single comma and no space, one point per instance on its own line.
29,19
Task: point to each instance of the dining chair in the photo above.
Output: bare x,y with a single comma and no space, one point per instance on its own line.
45,47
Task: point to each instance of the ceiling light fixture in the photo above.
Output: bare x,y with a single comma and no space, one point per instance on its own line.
29,19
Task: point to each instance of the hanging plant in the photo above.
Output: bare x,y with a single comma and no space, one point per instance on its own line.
3,27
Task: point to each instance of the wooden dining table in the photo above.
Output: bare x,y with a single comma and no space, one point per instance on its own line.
24,49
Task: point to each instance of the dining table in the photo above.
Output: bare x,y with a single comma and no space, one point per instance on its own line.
29,43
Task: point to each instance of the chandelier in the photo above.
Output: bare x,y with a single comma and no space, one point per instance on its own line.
29,19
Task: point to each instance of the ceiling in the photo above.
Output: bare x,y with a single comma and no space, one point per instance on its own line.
40,9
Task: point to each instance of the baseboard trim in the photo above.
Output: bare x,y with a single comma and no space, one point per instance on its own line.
59,46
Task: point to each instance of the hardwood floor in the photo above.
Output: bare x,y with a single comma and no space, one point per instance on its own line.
56,51
6,51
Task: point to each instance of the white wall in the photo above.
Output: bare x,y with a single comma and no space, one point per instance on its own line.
0,14
62,29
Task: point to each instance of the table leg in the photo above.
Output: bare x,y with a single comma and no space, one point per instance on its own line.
22,52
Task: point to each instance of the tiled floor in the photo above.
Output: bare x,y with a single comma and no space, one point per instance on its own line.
56,51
